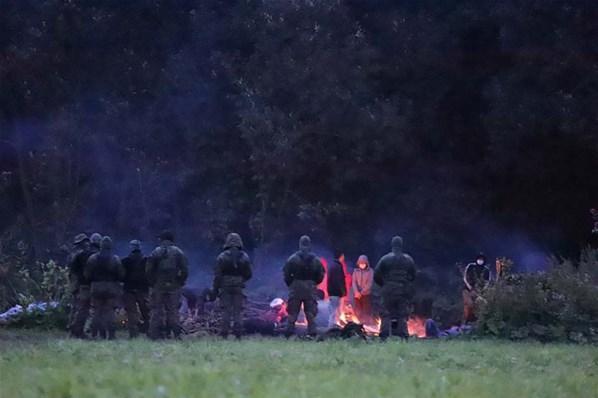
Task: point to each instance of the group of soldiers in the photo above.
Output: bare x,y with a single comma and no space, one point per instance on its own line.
150,286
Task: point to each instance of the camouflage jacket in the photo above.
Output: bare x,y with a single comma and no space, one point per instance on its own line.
167,267
233,269
395,269
303,266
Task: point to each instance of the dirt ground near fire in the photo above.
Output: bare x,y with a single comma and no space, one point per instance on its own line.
34,364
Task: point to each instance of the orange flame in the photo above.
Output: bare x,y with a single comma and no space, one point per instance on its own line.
347,315
324,285
416,326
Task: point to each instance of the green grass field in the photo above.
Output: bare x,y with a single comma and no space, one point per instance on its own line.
47,365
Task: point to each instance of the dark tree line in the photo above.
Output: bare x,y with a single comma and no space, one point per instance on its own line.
463,125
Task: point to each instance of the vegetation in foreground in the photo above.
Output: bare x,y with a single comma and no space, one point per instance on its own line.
35,365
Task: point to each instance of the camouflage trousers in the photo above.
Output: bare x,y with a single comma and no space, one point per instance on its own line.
79,311
136,304
164,318
302,293
104,298
231,304
394,316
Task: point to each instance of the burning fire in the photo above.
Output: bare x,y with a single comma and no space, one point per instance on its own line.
324,285
346,315
416,325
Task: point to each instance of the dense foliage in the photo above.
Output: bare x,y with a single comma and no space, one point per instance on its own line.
460,124
41,289
560,304
23,283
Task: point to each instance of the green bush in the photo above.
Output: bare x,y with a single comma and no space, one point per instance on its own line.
18,285
24,283
51,318
559,304
54,285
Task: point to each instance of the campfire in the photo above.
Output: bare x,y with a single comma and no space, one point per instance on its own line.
346,315
416,325
259,312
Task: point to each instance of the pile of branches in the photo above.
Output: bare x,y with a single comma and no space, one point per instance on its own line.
208,320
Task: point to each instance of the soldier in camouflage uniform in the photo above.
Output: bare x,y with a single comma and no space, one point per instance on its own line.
232,271
77,261
136,290
395,273
166,271
83,297
303,271
104,271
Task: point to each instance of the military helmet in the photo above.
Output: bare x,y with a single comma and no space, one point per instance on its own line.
80,238
233,240
106,243
397,243
135,245
95,239
305,242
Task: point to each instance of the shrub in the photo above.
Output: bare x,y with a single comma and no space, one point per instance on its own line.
54,284
45,284
50,318
560,304
17,285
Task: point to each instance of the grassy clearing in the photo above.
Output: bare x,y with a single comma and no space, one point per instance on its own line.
45,365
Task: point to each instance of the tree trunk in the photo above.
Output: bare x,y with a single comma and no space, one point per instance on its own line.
27,198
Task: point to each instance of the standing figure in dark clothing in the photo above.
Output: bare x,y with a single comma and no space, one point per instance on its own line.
303,271
166,270
476,277
104,271
395,273
337,288
136,290
233,270
77,261
82,285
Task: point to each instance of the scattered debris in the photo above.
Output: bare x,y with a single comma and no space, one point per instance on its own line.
14,313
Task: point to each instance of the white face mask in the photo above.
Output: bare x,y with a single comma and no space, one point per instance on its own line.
480,262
